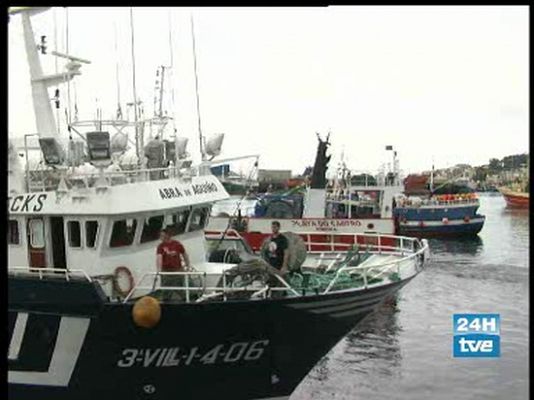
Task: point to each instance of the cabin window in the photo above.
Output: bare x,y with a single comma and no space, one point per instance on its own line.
75,234
91,229
199,218
123,232
36,232
13,232
152,229
178,221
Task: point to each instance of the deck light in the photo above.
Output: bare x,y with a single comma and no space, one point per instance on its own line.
99,146
52,151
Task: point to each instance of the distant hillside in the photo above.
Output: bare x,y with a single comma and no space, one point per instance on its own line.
508,163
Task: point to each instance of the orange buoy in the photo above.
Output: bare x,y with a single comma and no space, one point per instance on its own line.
146,312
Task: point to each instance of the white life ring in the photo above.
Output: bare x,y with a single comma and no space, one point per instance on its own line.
120,271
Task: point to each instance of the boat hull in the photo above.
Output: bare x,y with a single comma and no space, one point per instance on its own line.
455,220
516,199
257,349
440,229
465,229
436,213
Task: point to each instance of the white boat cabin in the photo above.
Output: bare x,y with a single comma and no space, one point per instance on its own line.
98,229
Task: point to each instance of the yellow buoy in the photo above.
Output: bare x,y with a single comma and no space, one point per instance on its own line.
146,312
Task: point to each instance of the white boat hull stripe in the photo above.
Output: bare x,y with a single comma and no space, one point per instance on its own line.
69,342
441,223
18,335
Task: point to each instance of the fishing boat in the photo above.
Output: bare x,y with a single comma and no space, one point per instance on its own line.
448,209
86,318
353,206
445,215
516,197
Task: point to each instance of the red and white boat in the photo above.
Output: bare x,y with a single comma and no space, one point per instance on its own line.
353,209
514,198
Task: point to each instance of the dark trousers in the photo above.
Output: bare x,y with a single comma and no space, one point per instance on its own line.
173,281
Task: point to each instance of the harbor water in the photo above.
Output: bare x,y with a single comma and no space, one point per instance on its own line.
404,350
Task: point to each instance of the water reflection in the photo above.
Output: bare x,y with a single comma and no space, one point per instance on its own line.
518,218
468,245
371,349
374,347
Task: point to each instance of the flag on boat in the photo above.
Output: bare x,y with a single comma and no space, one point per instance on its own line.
389,147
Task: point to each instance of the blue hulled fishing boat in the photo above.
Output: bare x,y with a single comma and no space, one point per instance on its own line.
449,210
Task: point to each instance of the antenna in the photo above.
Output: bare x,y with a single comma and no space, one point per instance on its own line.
75,103
138,132
56,69
171,70
119,110
158,101
432,176
67,51
196,89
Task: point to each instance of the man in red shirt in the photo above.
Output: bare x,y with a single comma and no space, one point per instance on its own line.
169,256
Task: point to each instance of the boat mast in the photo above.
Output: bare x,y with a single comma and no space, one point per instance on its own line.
119,110
196,90
44,117
432,177
56,69
171,81
138,132
67,51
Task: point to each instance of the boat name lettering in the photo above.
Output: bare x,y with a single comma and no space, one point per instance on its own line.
200,188
176,356
206,187
170,193
324,224
27,203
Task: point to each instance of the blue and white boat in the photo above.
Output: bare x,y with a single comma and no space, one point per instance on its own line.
439,215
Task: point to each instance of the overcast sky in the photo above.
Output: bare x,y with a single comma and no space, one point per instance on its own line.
443,83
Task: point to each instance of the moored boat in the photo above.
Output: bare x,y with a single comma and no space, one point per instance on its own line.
361,206
446,210
515,198
448,215
88,316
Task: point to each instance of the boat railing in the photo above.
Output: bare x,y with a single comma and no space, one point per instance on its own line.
329,245
472,201
47,272
42,179
362,202
377,271
318,242
149,282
